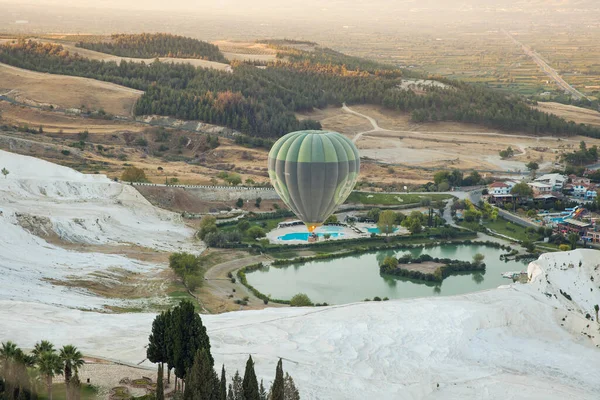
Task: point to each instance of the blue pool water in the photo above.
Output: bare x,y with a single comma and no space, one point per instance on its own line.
376,230
304,235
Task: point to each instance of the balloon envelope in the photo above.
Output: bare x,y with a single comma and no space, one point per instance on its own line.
313,172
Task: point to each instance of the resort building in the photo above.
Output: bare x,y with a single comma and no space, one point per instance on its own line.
498,188
571,225
556,181
540,188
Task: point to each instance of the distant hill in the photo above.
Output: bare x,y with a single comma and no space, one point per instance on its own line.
148,45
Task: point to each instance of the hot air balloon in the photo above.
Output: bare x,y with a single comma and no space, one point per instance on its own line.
313,172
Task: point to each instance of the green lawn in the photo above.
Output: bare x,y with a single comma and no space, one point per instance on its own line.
88,392
510,229
386,199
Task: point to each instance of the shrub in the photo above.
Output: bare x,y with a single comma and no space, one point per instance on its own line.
256,232
133,174
65,152
564,247
301,300
239,203
141,142
376,298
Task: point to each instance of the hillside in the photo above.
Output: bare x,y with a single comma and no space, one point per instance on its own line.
67,235
146,45
66,92
262,101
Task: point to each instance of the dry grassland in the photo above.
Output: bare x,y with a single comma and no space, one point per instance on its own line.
66,92
571,113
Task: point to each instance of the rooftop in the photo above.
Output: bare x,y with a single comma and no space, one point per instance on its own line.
580,224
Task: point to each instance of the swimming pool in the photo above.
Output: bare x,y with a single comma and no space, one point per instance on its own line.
304,235
376,230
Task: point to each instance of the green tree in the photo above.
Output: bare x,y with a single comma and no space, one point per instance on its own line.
532,166
262,392
387,222
373,214
208,224
414,222
390,263
5,172
160,389
443,186
157,349
188,335
478,259
301,300
42,347
199,379
236,388
521,190
573,238
9,353
72,360
332,219
278,388
239,203
258,201
255,232
596,309
49,365
250,383
291,393
223,385
133,174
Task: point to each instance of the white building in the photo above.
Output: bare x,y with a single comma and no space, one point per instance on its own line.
556,181
540,188
498,188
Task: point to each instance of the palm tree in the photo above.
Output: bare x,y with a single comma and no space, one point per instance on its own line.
8,354
50,365
42,347
72,360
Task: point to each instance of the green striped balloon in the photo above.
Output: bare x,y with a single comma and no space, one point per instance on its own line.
313,172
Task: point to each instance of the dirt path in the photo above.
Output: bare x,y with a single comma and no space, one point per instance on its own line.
218,288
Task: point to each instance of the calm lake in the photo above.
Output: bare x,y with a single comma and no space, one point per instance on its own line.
354,278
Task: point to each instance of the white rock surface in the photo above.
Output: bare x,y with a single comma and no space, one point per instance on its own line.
515,342
78,208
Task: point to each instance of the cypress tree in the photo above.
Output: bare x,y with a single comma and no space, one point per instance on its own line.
291,393
157,345
223,385
262,393
277,390
238,391
230,395
200,378
160,390
250,383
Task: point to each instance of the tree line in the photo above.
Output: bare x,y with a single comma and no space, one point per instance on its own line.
263,102
148,45
22,374
179,341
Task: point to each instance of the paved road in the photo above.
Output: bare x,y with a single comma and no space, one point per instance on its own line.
551,72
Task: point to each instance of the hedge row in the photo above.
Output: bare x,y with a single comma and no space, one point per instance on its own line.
241,274
271,247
